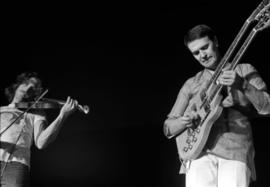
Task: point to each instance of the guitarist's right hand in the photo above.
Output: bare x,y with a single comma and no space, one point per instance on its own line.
186,121
189,119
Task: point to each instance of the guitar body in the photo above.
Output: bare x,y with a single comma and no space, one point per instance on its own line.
192,140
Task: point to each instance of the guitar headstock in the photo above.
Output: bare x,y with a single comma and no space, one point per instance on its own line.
258,10
263,18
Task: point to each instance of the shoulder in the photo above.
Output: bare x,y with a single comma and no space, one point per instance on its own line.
245,68
195,78
8,108
3,107
250,73
191,83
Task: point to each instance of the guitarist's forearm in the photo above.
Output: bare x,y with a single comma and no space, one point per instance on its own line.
173,127
259,98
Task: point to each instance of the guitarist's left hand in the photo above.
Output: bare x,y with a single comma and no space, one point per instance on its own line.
230,78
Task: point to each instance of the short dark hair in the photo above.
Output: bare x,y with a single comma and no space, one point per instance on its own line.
198,32
21,78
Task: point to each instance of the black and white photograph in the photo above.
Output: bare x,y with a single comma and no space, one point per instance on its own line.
135,93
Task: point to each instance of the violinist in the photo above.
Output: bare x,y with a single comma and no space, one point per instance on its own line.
227,158
19,129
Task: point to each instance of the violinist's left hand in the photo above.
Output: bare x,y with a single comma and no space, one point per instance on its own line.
230,78
69,107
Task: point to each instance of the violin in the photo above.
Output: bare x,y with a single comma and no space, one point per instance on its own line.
46,103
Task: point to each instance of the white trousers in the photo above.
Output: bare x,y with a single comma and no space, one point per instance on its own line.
213,171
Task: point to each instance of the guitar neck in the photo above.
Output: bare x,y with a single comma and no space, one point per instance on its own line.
244,47
235,43
262,23
229,52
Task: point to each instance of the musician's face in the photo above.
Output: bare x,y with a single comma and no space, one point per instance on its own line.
205,51
25,90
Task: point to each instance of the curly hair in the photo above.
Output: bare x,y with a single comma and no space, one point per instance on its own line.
22,78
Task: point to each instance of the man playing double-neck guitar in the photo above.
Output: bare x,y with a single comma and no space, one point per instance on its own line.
227,157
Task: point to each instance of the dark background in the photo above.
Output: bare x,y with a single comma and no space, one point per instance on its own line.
127,61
